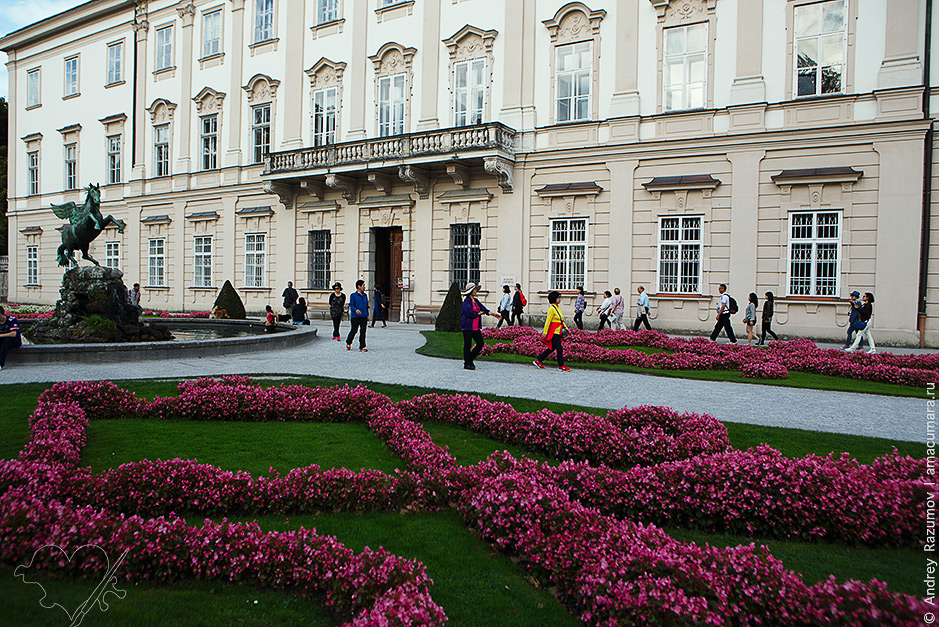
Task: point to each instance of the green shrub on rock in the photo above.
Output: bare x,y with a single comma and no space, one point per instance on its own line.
448,319
229,301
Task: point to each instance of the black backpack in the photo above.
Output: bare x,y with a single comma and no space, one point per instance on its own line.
732,306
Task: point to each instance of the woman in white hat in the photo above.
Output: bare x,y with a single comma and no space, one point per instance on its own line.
470,324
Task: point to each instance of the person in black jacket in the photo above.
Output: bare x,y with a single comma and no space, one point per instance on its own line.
337,305
767,320
290,297
517,305
379,307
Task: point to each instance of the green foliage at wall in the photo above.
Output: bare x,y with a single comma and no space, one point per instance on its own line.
449,317
229,300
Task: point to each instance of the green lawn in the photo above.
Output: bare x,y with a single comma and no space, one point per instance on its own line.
475,584
450,346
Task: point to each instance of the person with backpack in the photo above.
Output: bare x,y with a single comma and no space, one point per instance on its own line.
766,326
519,302
726,307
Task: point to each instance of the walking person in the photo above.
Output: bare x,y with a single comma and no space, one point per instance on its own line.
518,305
619,308
380,307
9,335
471,324
643,316
358,316
854,319
298,313
766,326
749,318
337,305
723,316
580,306
605,310
554,332
505,306
290,297
866,314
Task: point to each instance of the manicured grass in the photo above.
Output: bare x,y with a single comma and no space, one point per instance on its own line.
901,569
450,346
195,604
471,448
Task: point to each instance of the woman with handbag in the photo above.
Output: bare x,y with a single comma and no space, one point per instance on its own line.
554,331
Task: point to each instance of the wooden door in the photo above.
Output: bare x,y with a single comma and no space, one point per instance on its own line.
396,241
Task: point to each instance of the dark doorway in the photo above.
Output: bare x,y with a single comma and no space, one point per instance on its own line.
388,252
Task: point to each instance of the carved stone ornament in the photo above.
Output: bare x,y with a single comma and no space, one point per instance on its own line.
161,111
382,182
286,192
470,43
345,184
574,22
459,173
187,11
141,18
261,88
503,170
208,100
313,188
326,73
417,177
675,12
392,58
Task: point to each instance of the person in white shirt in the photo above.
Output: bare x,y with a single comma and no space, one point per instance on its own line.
505,307
619,308
643,316
605,310
723,316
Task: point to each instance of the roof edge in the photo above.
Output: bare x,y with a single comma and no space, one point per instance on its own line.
62,22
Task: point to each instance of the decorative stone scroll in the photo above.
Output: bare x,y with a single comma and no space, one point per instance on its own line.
345,184
503,170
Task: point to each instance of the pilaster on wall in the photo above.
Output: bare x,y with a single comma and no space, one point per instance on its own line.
293,89
749,85
625,100
518,110
744,202
187,12
901,66
430,59
141,30
357,87
233,157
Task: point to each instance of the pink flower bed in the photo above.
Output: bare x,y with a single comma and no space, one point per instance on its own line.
574,526
701,354
158,313
764,370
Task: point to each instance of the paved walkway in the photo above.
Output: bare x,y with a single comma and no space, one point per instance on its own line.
391,359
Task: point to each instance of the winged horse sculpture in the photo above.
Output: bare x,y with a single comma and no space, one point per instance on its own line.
85,224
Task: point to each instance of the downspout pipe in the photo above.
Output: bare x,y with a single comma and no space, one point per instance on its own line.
927,178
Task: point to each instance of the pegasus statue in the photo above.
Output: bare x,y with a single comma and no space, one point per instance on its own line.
85,224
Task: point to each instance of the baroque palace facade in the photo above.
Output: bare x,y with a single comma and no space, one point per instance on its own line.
772,145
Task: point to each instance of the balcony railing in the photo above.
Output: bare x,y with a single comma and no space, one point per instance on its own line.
494,138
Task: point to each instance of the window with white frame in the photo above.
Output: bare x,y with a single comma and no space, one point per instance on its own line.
814,253
114,159
263,20
32,170
573,75
819,41
112,254
156,262
212,33
115,62
71,166
324,116
164,48
254,260
465,253
161,150
392,100
209,139
260,132
202,261
469,92
568,253
32,88
680,255
32,265
320,258
71,76
685,62
327,11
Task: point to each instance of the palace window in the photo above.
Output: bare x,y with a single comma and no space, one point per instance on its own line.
32,169
71,76
685,62
469,92
164,48
32,88
212,33
327,11
680,255
202,261
324,116
814,253
209,139
71,166
568,253
115,62
114,159
391,103
574,74
32,265
465,253
254,260
320,258
156,262
112,255
819,42
161,147
263,20
260,133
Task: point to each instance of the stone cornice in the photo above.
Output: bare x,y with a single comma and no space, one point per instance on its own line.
66,21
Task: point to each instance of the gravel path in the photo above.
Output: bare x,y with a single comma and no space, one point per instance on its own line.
391,359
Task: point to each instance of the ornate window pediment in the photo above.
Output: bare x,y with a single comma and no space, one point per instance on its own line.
326,73
574,22
261,88
675,12
393,58
208,100
161,111
470,42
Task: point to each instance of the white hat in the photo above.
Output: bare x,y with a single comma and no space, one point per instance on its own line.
469,288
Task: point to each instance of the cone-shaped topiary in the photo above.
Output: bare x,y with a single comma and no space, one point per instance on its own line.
448,319
229,301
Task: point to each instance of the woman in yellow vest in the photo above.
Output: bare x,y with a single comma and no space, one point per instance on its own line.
554,330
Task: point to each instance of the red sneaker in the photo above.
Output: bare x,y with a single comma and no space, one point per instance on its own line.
538,364
348,347
363,350
564,368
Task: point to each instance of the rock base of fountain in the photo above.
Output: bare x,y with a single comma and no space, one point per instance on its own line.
93,308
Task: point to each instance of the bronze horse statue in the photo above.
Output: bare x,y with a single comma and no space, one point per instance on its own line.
85,224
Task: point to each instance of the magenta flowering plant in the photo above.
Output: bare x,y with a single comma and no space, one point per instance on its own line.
764,370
